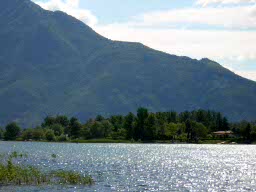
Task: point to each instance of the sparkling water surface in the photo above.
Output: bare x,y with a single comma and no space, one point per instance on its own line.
143,167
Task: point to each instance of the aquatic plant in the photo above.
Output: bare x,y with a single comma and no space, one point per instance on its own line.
15,155
11,174
20,175
72,178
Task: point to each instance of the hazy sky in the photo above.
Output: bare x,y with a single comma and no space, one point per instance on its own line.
222,30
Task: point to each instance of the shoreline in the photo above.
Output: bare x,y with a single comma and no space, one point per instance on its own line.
109,141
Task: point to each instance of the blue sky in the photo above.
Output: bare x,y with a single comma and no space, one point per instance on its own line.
121,12
222,30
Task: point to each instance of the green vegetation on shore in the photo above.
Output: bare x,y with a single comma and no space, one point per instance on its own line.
190,127
11,174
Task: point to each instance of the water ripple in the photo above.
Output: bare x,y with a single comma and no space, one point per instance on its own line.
146,167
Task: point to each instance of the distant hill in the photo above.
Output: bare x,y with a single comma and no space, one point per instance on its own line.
51,63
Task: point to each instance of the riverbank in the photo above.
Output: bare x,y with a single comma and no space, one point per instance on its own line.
102,141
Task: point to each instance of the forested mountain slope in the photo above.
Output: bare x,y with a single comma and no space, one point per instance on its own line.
52,64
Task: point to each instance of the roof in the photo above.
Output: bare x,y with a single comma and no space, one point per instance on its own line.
223,132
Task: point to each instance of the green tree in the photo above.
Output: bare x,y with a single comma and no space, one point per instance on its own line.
181,128
142,115
1,133
85,132
12,131
173,117
219,122
49,135
75,127
62,120
200,116
122,134
184,116
96,130
253,133
27,134
171,130
188,124
200,131
38,134
99,118
129,125
247,132
107,128
117,121
57,128
225,124
48,121
150,131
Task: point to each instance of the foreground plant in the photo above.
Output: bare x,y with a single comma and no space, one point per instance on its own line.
11,174
71,178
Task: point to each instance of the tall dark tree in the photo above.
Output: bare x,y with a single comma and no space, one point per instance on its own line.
129,125
225,124
209,118
107,128
142,115
99,118
48,121
1,133
117,121
62,120
248,131
184,116
75,127
172,117
12,131
188,129
200,116
219,122
150,127
97,130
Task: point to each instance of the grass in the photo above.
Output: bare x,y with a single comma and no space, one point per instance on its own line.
100,141
209,141
103,140
11,174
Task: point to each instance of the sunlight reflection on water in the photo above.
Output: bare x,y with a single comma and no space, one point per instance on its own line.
145,167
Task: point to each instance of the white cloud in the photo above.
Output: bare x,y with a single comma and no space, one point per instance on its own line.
157,30
247,74
216,45
236,46
240,17
207,2
72,8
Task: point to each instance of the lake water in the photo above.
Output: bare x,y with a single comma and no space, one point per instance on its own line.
145,167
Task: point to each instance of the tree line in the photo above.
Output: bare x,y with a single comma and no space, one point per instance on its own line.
143,126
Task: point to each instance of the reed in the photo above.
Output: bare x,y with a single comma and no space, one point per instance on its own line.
11,174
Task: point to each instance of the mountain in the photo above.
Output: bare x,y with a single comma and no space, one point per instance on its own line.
52,63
